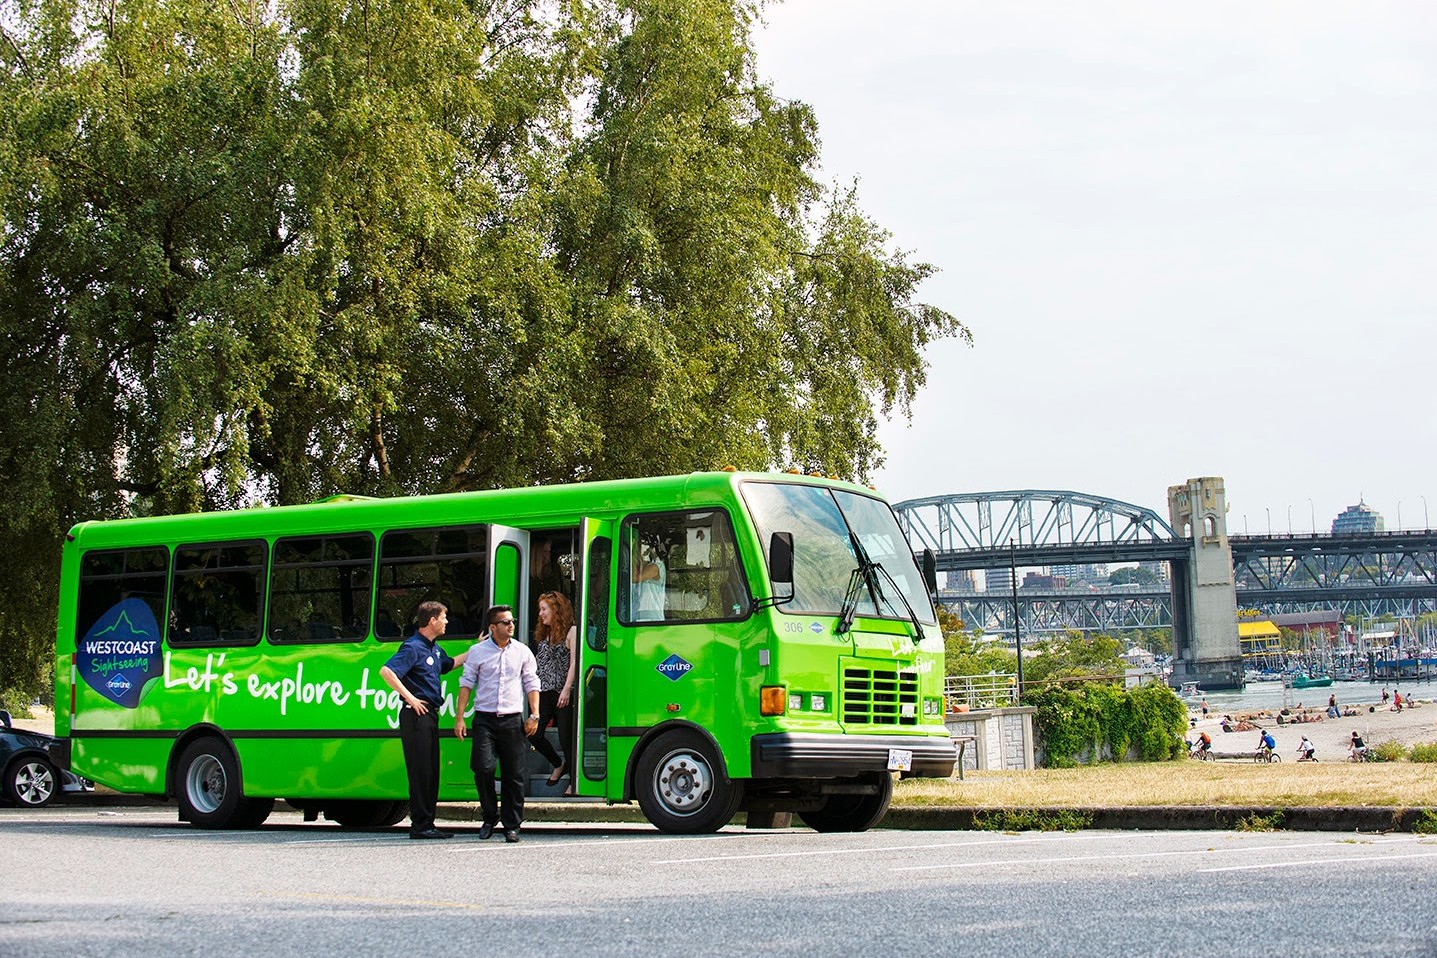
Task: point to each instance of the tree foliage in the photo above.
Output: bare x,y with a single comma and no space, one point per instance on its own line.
1073,655
269,252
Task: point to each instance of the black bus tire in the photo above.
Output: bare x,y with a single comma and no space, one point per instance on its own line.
853,813
363,812
682,785
207,784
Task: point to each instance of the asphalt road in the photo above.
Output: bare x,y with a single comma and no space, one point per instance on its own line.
132,881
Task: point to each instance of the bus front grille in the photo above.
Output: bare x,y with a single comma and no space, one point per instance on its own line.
880,697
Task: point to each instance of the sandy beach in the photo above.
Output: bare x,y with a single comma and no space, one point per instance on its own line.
1373,721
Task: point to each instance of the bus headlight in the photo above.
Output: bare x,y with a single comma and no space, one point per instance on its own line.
773,700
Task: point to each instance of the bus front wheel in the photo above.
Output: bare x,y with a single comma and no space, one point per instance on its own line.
209,789
853,813
682,787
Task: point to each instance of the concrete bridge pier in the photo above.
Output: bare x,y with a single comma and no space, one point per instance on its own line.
1206,649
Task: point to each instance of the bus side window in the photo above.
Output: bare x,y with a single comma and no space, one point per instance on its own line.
596,595
449,564
681,567
108,579
320,588
217,594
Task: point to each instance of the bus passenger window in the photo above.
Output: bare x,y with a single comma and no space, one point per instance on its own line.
320,589
217,593
450,565
681,567
109,578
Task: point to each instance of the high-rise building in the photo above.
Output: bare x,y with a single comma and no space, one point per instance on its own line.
1358,518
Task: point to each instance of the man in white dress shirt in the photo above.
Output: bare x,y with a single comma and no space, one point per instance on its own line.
501,674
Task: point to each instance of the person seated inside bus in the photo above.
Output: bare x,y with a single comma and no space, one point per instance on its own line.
1359,747
1202,746
649,582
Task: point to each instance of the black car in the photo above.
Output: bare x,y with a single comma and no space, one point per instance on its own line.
30,779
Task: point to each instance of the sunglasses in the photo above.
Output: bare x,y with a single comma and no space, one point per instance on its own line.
505,622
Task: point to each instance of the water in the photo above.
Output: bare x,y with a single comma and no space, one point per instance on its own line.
1258,696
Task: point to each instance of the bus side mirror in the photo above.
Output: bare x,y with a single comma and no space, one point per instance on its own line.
780,563
930,571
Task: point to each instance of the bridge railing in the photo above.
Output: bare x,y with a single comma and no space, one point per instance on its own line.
997,690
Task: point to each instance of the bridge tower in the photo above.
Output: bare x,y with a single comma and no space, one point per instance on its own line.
1206,649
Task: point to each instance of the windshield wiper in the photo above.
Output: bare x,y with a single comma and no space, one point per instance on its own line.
866,575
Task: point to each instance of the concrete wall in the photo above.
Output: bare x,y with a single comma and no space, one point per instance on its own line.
1002,738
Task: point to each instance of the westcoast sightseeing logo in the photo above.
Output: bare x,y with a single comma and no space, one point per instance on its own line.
121,652
674,667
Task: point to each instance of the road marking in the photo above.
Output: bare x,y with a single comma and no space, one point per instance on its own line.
1321,861
1109,857
869,849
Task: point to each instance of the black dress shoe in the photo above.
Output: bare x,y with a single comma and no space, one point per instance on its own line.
486,831
511,835
431,833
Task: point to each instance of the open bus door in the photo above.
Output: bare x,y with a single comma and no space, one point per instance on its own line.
593,614
509,576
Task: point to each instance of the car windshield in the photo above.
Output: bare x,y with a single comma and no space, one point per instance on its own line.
825,523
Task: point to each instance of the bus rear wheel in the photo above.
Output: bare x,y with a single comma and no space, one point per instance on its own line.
853,813
682,786
365,813
209,789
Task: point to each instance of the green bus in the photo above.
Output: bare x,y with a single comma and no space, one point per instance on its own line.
786,659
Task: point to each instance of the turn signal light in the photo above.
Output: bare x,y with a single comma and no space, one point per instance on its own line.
773,700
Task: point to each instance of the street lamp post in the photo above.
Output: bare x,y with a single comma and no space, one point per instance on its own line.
1426,523
1017,626
1268,510
1399,515
1289,519
1312,512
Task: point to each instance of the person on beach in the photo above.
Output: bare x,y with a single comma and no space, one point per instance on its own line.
1359,747
1267,743
1305,750
1385,696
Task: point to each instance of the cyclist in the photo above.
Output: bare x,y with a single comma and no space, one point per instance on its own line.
1202,746
1266,744
1305,750
1359,747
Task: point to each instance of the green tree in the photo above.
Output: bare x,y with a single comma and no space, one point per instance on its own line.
269,252
1073,655
1134,575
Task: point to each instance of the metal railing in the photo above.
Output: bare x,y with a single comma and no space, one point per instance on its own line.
997,690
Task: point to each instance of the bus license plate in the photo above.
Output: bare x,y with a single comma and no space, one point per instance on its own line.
900,760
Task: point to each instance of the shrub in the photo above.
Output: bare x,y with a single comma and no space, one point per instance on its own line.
1390,751
1262,823
16,702
1427,824
1031,820
1101,720
1423,752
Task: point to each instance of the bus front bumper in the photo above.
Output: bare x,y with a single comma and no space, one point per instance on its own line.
809,755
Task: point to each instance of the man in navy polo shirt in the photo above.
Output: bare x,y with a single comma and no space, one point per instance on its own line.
413,671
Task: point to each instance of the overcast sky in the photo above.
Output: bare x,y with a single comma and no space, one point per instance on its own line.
1190,240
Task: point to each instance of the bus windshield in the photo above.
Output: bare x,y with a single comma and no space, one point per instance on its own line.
829,526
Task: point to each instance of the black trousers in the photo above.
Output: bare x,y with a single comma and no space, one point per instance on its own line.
499,743
420,736
563,721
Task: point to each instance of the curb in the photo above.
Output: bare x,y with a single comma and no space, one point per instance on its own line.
1168,818
1302,818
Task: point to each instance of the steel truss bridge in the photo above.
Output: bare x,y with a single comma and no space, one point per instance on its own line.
1366,575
